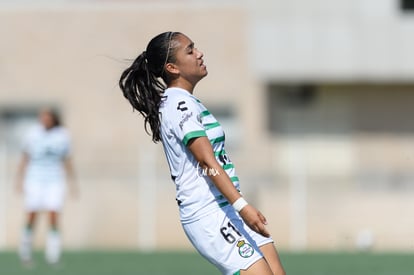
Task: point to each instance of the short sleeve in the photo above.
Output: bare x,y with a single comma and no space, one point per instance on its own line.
186,121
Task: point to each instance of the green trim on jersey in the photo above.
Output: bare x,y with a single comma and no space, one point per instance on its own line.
204,113
228,166
219,153
233,179
211,125
217,140
237,273
192,135
222,204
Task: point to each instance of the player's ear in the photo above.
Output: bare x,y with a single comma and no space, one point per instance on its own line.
172,69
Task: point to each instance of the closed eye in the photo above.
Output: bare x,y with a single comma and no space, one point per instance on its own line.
190,48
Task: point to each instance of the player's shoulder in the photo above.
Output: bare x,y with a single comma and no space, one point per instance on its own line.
61,132
177,99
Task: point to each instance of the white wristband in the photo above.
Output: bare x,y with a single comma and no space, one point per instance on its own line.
239,204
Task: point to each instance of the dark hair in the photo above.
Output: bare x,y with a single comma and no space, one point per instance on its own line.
55,117
141,83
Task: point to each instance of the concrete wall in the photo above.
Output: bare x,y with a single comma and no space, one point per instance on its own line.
346,161
332,39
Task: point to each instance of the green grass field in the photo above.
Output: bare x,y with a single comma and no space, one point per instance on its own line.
182,263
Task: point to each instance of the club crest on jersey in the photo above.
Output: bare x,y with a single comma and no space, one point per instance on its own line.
181,106
245,249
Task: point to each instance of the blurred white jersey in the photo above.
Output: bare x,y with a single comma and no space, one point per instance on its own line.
46,150
184,117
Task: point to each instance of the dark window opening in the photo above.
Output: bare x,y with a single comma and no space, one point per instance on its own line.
293,95
287,99
407,5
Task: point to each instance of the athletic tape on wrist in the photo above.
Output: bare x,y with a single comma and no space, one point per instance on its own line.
239,204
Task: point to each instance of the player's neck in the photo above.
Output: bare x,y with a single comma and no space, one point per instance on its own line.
186,85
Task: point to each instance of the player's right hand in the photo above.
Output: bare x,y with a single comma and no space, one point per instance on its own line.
254,219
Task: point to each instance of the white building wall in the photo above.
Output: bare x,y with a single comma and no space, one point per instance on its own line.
331,40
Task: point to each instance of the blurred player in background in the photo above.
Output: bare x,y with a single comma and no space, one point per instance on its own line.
42,175
221,225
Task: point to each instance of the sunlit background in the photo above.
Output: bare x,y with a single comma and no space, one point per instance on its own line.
316,98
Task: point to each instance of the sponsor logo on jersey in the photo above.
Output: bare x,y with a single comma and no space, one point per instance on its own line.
181,107
186,117
245,249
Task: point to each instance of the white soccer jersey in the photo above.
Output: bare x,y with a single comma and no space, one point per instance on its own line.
46,150
184,117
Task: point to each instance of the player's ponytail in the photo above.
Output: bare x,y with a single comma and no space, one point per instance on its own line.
143,83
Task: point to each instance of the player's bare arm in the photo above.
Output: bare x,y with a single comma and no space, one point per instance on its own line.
21,170
203,152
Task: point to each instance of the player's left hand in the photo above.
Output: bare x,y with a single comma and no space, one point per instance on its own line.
255,220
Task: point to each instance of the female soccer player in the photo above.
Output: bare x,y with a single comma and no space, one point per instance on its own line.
41,177
222,226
